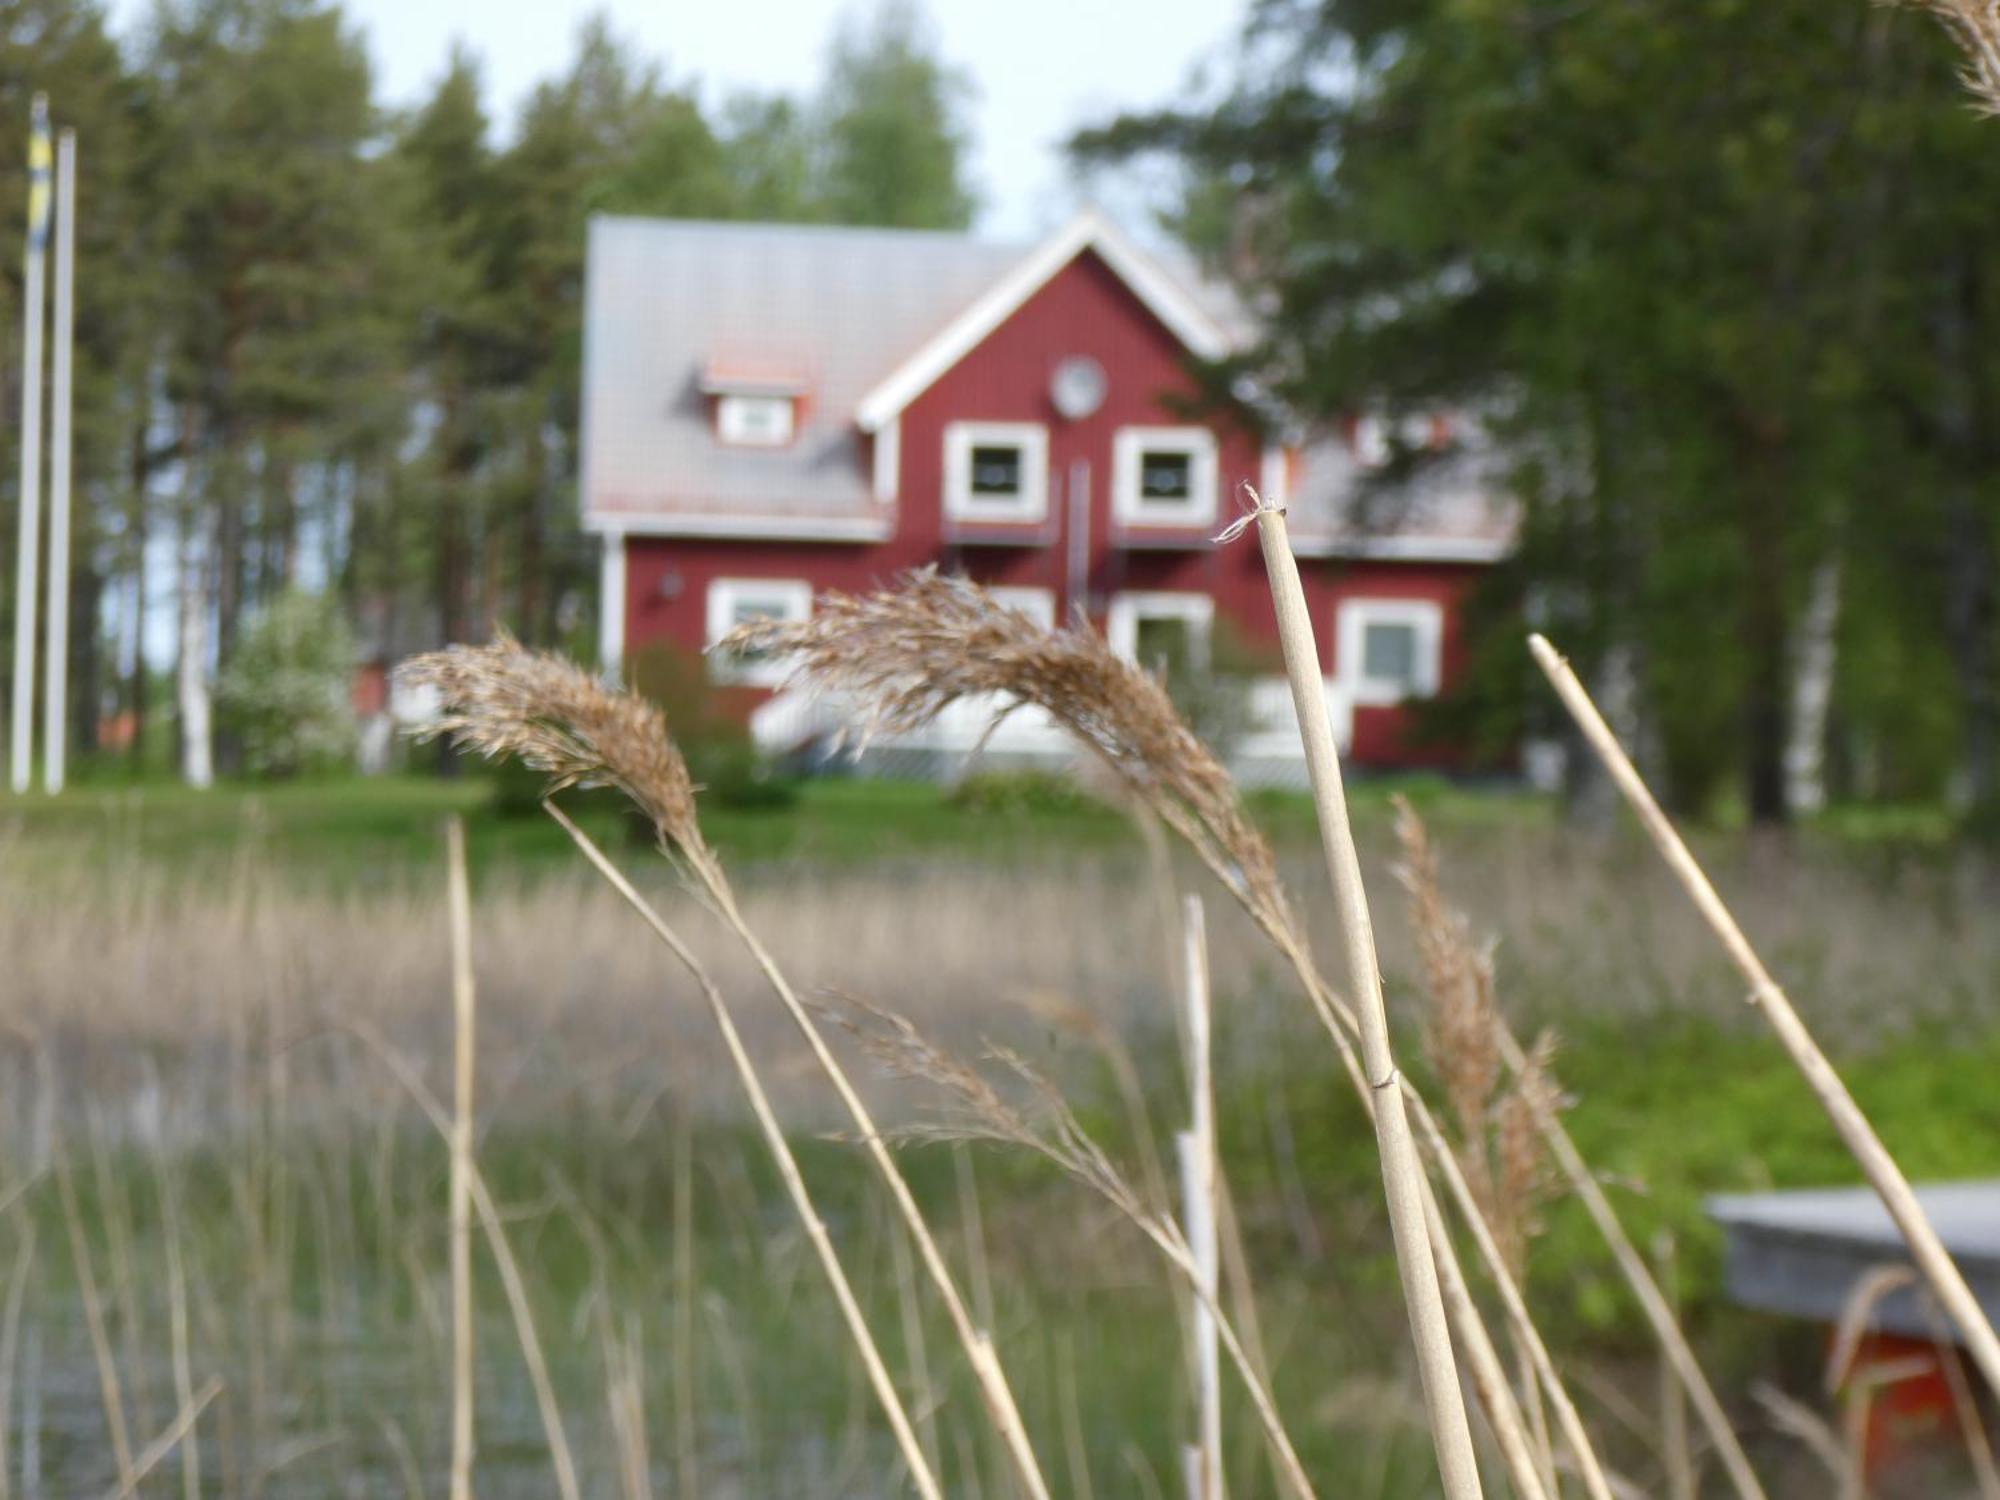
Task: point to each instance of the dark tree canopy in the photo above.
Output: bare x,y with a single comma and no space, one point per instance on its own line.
1717,280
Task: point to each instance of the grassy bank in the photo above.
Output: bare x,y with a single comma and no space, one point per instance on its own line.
376,830
189,973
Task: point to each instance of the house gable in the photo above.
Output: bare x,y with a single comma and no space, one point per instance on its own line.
1084,310
1198,331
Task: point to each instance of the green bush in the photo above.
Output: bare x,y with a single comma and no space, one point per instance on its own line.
288,694
1015,793
722,760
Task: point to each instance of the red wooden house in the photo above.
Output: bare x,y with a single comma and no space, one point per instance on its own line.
770,411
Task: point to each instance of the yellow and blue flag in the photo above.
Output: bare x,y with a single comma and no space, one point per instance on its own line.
40,160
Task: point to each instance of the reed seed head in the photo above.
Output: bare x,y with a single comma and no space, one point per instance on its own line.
548,713
908,653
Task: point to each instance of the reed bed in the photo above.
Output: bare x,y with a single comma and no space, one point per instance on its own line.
251,1128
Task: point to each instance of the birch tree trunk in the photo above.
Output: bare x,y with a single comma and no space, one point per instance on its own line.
191,683
1815,654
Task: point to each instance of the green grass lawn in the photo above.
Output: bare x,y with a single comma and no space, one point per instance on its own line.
370,830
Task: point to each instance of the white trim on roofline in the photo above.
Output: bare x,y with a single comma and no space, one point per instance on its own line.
744,528
1089,230
1404,548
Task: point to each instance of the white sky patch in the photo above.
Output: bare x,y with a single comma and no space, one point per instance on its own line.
1042,67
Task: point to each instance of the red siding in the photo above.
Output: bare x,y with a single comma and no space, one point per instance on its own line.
1084,310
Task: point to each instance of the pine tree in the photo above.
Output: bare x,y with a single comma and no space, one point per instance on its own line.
895,138
1702,304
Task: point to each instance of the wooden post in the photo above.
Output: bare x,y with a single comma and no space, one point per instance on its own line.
1197,1161
464,998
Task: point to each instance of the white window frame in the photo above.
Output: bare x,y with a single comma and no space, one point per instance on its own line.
1351,621
732,410
1031,504
1130,506
1037,604
793,597
1121,624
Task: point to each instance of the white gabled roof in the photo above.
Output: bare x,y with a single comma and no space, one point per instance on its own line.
1160,292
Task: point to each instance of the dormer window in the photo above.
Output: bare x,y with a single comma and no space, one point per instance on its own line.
754,421
755,401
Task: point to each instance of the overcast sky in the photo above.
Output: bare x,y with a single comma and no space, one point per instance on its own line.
1042,66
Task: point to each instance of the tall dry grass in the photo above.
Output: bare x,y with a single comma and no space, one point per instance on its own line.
159,1046
506,702
907,654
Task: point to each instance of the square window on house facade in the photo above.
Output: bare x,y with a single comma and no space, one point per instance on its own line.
1390,649
1161,631
1163,476
996,471
1039,605
1389,653
754,421
734,602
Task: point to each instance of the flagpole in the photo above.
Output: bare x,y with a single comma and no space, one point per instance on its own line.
55,713
31,449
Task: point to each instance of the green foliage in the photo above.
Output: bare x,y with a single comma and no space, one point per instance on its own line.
895,138
1713,1108
287,693
1728,323
319,332
1013,794
722,760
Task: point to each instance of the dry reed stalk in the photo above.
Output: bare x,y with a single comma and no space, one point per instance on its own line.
166,1442
982,1114
511,1281
502,700
686,1462
1853,1127
1059,1012
926,1399
93,1316
1520,1324
398,1444
1402,1172
624,1375
1653,1303
1525,1460
1964,1405
1975,26
1495,1169
1198,1192
177,1323
976,1342
115,1213
10,1333
1080,1487
781,1152
908,653
464,1011
1837,1450
1676,1456
1236,1275
978,1266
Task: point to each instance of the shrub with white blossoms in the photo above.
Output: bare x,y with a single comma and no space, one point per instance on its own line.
288,692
